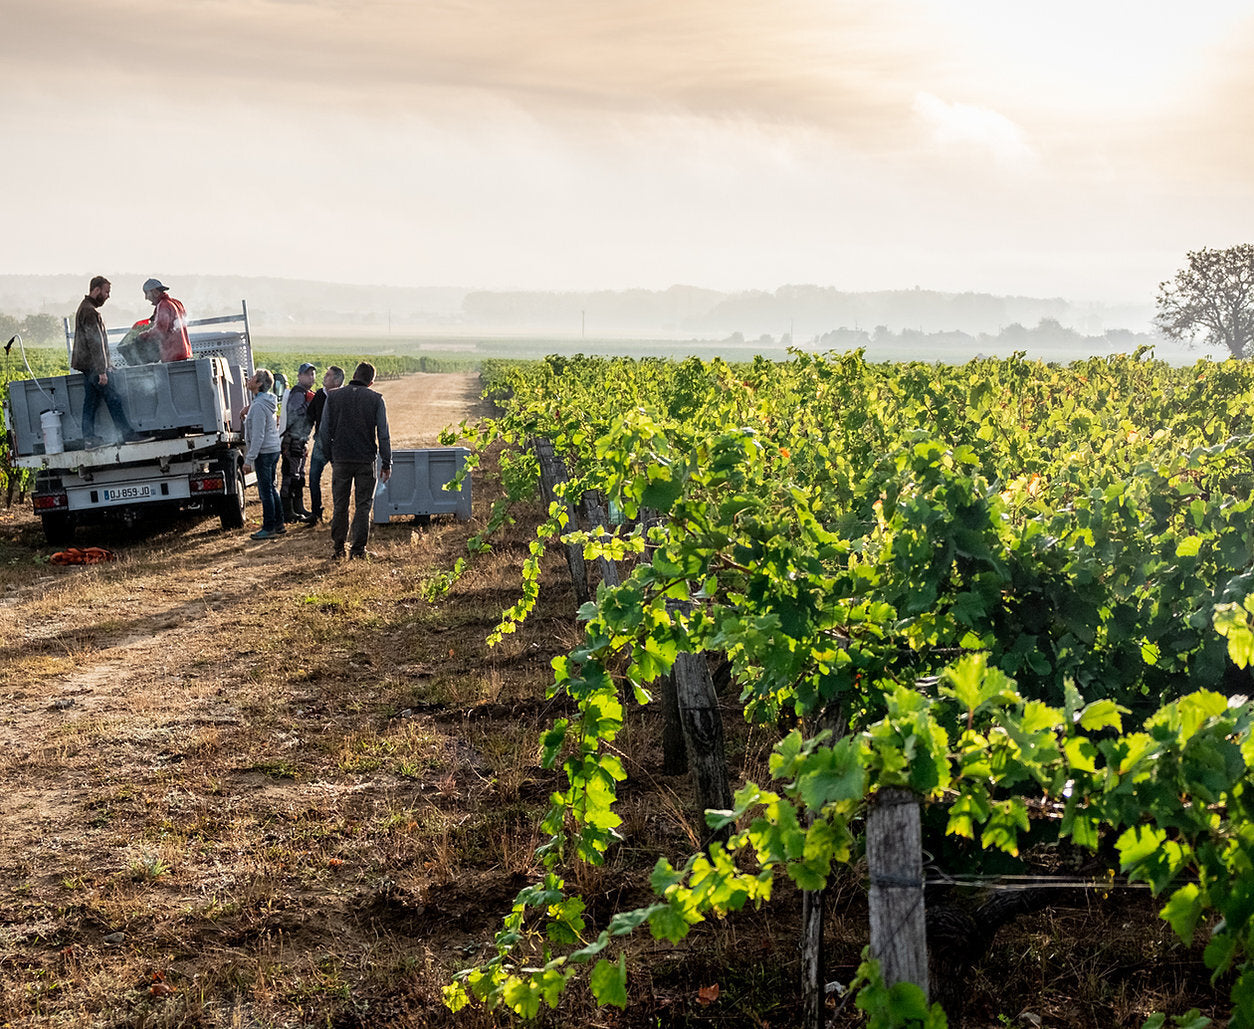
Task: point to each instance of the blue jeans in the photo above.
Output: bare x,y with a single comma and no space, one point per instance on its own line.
93,393
316,465
271,505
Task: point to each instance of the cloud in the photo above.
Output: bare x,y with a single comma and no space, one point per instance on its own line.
561,142
978,130
846,68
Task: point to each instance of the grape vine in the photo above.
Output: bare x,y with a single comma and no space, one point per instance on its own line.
994,572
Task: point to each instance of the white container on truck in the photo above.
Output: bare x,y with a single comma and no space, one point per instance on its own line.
193,458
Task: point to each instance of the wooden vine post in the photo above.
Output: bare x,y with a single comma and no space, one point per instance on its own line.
674,747
553,471
894,851
813,909
703,730
596,515
813,960
702,723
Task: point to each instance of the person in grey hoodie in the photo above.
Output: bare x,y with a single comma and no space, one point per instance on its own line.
261,432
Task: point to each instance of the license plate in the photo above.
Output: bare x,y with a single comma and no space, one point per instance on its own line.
127,493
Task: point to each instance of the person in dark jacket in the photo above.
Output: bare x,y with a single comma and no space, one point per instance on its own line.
356,432
91,357
297,424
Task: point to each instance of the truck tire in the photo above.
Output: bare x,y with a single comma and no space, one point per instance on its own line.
231,511
58,528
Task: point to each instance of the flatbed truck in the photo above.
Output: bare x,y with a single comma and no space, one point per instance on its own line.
189,411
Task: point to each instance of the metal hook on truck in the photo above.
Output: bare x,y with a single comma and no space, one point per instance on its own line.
192,459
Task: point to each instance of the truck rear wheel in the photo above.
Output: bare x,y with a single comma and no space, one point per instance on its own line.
231,511
58,528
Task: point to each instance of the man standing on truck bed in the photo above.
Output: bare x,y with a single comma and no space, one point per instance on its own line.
91,357
356,417
169,323
297,424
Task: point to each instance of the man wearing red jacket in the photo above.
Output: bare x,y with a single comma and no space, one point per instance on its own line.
169,323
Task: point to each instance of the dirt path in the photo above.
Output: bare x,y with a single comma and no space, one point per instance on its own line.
420,406
169,722
165,612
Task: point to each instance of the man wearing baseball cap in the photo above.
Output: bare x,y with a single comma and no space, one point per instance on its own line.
169,323
297,424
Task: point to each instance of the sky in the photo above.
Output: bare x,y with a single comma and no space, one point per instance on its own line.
1071,149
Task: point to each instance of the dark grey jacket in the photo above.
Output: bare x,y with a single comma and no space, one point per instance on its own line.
354,416
91,341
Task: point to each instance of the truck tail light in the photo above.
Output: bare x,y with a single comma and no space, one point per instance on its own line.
52,502
208,484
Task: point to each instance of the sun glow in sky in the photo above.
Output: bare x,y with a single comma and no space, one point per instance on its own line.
1070,149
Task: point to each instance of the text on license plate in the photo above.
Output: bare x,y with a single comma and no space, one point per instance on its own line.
127,492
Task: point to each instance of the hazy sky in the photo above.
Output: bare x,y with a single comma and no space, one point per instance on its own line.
1072,149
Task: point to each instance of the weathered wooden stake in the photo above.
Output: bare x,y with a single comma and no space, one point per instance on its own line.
703,729
674,747
553,471
813,994
894,852
813,908
596,515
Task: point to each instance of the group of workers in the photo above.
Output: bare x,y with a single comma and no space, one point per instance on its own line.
349,427
348,422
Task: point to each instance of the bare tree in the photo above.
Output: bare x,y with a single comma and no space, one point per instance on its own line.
1212,297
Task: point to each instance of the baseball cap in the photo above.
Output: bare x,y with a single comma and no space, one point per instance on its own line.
306,367
154,284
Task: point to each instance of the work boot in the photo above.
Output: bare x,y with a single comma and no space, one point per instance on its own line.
288,516
298,505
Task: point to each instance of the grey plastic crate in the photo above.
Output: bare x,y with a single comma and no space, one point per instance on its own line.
416,485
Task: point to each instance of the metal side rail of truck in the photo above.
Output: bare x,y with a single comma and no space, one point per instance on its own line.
192,458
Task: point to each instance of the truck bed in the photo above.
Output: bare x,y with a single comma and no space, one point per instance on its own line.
187,405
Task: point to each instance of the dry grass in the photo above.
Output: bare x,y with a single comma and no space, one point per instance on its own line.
243,786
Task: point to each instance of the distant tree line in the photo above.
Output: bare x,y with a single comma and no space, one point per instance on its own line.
1049,334
754,312
35,329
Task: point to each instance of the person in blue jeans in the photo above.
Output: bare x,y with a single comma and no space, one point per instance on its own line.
91,357
261,435
331,381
